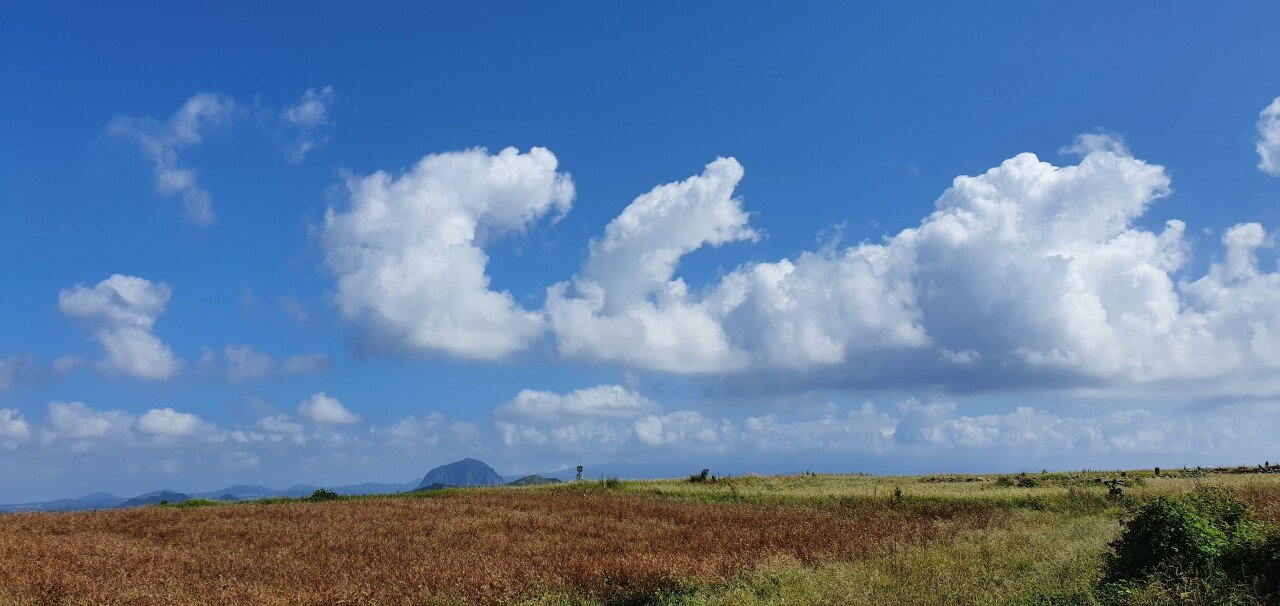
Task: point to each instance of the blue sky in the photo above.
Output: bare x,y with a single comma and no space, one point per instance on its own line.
848,123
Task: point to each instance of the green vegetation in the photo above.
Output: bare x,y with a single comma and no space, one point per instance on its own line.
1073,492
324,494
610,483
1209,544
191,503
1184,539
1035,557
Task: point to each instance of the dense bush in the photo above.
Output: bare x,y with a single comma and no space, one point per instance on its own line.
1208,538
1166,534
1257,561
324,494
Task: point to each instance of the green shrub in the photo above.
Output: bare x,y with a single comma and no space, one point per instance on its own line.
1254,558
1004,482
1167,534
1207,543
324,494
1187,590
698,478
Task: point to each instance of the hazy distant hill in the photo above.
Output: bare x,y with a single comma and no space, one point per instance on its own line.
97,500
155,498
374,488
467,472
241,492
534,480
298,491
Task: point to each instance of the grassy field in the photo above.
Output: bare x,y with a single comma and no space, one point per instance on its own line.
807,539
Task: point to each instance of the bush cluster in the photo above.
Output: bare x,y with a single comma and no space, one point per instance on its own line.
1208,536
1021,481
324,494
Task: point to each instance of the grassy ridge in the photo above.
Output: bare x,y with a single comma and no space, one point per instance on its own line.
1075,492
1068,492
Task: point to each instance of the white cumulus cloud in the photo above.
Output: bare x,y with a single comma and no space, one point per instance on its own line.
625,305
407,254
279,424
600,402
1029,273
325,410
863,428
121,312
77,421
685,428
162,142
13,427
169,422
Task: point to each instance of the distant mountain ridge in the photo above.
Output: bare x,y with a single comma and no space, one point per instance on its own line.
97,500
533,480
464,473
156,498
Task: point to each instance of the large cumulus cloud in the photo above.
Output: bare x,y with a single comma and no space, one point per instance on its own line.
625,306
407,250
1029,273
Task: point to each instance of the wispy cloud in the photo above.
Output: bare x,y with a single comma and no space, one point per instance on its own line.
1269,139
304,126
163,142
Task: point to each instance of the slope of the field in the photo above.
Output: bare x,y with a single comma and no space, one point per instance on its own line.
795,539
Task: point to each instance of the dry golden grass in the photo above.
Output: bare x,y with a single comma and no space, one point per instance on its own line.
1265,501
477,547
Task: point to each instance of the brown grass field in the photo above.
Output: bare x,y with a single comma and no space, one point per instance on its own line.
1265,502
803,539
473,546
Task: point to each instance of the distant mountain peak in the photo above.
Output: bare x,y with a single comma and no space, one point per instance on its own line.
467,472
